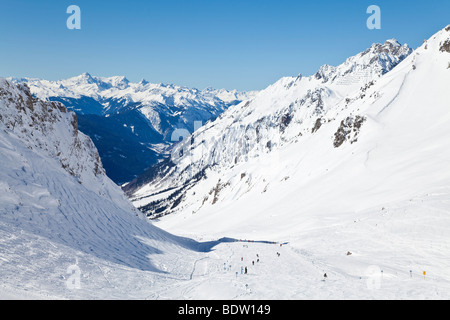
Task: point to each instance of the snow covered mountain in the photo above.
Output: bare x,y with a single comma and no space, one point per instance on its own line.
115,93
286,113
350,169
60,212
131,123
337,173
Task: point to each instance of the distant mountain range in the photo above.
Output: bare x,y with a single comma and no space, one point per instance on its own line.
131,123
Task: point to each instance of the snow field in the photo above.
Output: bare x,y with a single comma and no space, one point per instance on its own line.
373,215
385,245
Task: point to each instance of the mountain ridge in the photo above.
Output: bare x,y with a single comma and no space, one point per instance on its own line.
376,143
264,123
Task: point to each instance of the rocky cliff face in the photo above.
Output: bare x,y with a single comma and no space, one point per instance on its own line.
48,128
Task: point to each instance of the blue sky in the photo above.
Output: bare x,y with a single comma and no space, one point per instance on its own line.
244,45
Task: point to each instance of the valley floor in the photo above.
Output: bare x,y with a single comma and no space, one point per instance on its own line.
375,254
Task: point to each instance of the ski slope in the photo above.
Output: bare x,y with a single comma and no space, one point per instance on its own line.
373,214
381,194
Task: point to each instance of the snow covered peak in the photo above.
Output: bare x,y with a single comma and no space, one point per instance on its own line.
392,42
117,87
392,49
440,41
84,78
119,82
373,62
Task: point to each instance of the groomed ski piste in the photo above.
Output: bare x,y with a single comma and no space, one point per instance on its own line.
374,216
356,265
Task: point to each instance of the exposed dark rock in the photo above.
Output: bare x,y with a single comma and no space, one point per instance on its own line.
318,124
285,121
445,47
348,130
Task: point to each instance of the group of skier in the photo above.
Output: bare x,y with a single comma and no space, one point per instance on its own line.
244,270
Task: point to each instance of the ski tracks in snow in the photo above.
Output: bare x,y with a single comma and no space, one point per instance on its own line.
396,95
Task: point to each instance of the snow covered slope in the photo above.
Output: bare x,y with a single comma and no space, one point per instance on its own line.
354,177
288,111
60,213
386,141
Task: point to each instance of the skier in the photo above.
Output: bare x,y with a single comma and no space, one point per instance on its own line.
253,262
245,270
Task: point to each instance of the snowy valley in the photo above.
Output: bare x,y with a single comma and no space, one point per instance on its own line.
345,173
350,157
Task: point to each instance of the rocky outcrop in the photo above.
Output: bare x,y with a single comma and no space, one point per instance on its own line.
445,46
348,130
49,128
317,125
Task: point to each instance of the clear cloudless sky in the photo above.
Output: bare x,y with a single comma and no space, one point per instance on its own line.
233,44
